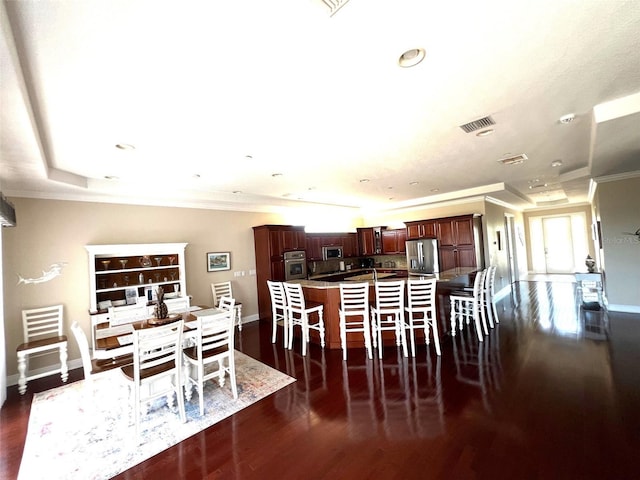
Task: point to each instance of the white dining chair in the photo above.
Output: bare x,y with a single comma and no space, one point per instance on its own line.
157,368
278,310
83,346
214,345
225,289
43,334
354,314
299,313
466,307
387,314
421,312
489,298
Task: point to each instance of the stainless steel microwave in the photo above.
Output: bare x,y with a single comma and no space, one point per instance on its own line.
331,252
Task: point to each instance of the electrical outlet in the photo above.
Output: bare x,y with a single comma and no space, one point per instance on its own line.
252,271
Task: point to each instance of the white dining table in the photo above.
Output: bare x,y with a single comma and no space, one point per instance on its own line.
117,341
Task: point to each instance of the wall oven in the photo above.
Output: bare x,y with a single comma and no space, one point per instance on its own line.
295,265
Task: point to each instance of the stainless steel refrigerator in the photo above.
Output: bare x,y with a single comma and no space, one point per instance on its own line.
422,256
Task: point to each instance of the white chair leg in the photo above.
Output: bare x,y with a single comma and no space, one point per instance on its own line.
22,374
436,335
343,336
64,368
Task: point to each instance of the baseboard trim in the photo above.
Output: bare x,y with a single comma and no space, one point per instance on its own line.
71,364
623,308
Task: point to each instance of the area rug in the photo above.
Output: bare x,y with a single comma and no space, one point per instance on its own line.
85,430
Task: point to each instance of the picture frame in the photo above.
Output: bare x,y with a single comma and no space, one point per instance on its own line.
218,261
131,295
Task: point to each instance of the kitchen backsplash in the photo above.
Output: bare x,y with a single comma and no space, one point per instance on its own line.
319,267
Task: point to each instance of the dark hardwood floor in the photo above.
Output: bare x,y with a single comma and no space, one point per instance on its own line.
553,393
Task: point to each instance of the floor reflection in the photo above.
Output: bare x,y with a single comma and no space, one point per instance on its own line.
556,308
295,401
396,397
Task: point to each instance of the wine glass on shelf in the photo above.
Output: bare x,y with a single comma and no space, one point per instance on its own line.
105,264
173,275
158,260
172,259
123,262
126,280
157,275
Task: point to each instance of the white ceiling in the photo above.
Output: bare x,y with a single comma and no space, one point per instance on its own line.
216,97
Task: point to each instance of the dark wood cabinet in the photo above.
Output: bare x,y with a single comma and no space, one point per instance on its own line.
457,242
370,240
366,243
270,242
393,241
421,229
315,242
350,245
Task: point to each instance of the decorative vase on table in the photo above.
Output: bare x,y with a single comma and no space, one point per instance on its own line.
590,263
161,311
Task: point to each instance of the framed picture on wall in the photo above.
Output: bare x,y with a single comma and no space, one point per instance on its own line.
218,261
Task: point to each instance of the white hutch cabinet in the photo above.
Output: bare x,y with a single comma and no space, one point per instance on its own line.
116,271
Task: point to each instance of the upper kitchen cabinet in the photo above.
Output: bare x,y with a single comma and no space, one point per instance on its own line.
459,245
393,241
370,240
421,229
315,242
350,245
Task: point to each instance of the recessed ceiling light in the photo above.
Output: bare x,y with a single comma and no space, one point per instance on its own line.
125,146
364,180
568,118
110,177
311,188
248,157
556,163
237,191
413,183
196,175
411,57
274,175
434,190
485,133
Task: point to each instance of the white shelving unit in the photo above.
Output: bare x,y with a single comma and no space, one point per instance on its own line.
114,269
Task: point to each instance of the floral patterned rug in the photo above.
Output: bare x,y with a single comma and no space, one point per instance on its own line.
85,430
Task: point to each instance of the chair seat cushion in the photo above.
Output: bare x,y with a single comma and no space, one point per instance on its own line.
149,372
192,352
41,343
461,293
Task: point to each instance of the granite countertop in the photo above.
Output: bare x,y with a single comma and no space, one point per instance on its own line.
446,276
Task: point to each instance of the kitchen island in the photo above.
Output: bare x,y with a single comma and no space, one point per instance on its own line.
327,292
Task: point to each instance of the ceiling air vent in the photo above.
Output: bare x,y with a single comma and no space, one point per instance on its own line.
477,124
334,5
515,160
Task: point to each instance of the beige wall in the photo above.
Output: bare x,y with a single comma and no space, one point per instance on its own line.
494,222
57,231
617,207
